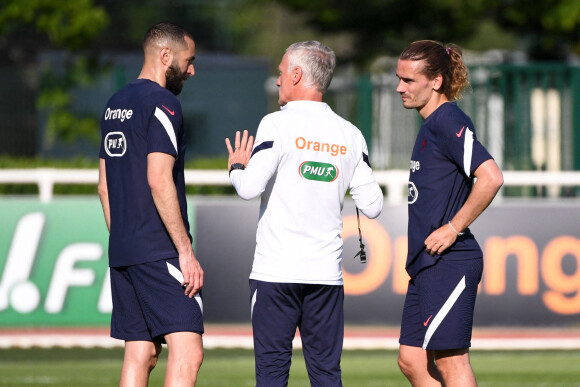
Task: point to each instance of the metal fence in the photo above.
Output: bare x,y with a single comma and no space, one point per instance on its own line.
528,117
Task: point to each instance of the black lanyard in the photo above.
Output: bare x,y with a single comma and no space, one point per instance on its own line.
362,253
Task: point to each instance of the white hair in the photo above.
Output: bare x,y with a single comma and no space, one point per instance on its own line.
316,61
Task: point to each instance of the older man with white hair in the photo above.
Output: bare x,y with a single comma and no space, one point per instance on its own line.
304,160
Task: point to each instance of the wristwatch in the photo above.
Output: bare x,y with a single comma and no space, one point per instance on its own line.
237,166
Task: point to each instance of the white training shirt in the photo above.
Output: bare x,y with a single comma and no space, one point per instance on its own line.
304,160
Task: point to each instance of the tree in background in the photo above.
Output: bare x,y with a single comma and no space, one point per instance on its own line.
68,24
548,29
266,29
358,30
27,26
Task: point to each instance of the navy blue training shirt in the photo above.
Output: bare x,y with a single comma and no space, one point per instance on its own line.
445,155
141,118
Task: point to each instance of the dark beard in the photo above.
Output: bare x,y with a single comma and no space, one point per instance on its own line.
174,80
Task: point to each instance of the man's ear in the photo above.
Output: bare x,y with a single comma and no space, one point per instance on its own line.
296,75
437,82
166,56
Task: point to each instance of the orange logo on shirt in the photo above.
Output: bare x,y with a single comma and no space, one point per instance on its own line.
333,149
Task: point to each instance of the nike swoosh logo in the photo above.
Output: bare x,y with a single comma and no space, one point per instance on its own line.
427,322
457,134
173,112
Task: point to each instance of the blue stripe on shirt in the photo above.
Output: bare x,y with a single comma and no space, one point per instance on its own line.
366,159
262,146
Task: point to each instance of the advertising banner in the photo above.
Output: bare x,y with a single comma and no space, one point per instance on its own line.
531,262
53,262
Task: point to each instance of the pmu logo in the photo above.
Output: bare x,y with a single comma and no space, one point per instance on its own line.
413,193
313,170
115,144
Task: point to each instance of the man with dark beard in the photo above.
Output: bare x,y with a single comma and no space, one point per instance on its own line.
155,276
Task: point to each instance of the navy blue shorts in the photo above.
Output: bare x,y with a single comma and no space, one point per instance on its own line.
317,310
438,311
149,302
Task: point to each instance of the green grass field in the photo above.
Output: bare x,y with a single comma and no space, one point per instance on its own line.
233,368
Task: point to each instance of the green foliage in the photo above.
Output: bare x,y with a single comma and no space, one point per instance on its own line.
69,24
385,27
7,162
565,17
56,97
489,36
218,162
266,29
548,28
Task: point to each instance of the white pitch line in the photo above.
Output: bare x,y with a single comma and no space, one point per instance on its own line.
59,340
246,342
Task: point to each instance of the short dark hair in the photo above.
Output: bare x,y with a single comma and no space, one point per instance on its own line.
446,60
166,33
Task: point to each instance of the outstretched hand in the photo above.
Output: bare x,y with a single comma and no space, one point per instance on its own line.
242,149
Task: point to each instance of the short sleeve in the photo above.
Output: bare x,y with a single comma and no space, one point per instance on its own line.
461,145
102,152
163,130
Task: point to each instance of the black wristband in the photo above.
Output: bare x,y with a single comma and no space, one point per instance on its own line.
237,166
